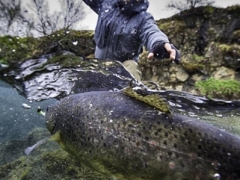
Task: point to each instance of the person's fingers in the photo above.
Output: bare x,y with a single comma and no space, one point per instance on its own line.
150,56
171,51
172,54
168,47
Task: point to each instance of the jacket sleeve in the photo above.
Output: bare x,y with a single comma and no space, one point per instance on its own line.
150,33
95,5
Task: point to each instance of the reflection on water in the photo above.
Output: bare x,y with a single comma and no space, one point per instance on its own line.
230,123
222,114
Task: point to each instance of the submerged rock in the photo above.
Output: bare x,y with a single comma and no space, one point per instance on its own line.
45,162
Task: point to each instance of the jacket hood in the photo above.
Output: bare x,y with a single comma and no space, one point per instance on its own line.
133,6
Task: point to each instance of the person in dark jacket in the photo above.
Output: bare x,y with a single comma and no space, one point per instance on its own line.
123,28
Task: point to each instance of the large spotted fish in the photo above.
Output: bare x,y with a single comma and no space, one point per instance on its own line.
126,137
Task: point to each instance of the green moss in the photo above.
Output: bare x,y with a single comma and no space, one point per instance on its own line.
14,49
235,9
192,67
192,63
66,60
174,26
236,34
224,47
56,164
208,10
224,89
3,61
154,100
233,49
196,58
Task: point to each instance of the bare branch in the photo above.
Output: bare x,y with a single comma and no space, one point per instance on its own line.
72,12
189,4
9,11
36,16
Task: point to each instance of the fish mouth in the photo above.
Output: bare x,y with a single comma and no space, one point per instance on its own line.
50,119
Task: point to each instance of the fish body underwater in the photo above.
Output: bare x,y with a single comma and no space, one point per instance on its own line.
129,139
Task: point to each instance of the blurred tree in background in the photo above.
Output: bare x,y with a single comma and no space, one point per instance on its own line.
189,4
37,18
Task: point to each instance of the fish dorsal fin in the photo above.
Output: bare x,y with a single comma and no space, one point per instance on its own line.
154,100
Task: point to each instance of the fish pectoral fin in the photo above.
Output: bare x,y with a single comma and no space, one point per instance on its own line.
57,137
28,150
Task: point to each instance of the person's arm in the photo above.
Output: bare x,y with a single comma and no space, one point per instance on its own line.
156,41
95,5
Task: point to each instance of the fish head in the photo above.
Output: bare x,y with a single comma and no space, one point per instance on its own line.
51,116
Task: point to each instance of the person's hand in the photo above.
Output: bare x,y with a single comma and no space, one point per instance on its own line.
171,51
161,51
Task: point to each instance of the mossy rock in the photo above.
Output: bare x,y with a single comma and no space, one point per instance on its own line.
15,49
56,164
221,89
78,42
193,63
48,161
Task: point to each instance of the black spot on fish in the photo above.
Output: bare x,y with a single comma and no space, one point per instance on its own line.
199,134
165,142
118,125
139,134
185,134
138,122
205,135
170,153
150,127
166,134
199,147
161,157
130,125
190,130
146,138
208,142
175,136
